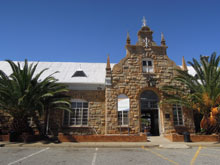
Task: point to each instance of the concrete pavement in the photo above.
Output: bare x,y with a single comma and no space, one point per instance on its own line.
108,156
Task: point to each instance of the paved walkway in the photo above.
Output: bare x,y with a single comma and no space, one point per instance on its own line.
153,141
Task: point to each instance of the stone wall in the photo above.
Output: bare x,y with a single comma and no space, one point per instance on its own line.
129,79
5,121
96,118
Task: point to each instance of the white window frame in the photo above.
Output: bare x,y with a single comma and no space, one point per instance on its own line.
75,117
122,118
123,111
176,107
146,68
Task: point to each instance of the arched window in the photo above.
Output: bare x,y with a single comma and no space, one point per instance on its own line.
79,115
123,109
177,115
147,65
149,100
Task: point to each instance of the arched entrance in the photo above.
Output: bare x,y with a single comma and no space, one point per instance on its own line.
149,113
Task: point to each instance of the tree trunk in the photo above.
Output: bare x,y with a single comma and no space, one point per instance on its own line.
38,124
46,121
20,125
204,122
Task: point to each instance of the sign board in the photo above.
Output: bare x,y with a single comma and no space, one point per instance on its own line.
123,103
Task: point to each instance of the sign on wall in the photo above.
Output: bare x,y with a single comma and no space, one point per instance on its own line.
123,103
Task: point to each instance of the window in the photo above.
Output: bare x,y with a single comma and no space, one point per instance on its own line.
149,104
177,115
149,100
108,81
123,109
79,73
147,65
79,115
122,117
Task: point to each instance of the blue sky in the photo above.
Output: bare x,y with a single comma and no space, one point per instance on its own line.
88,30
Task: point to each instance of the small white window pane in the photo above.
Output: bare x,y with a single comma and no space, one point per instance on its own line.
85,105
119,117
150,69
84,122
79,105
73,105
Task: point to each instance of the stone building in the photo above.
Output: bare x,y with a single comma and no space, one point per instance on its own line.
122,98
127,100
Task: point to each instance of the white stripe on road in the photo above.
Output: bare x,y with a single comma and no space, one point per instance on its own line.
94,157
29,156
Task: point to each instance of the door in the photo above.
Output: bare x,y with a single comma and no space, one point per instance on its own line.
149,113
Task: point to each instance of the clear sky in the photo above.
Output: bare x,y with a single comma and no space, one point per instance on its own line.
87,30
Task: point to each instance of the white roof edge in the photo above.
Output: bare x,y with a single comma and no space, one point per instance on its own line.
82,83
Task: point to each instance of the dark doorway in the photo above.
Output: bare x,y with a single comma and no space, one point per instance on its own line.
149,113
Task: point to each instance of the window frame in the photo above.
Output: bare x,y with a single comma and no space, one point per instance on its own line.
146,68
175,107
75,118
123,118
150,104
122,113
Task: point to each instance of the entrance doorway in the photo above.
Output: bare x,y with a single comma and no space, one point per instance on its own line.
149,113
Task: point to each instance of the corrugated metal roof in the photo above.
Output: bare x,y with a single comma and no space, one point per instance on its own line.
95,72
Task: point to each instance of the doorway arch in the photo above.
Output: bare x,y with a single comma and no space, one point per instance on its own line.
149,111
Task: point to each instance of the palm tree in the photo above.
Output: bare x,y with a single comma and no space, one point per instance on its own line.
200,92
58,100
23,95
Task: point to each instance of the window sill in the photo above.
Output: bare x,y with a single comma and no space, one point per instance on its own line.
148,73
123,126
